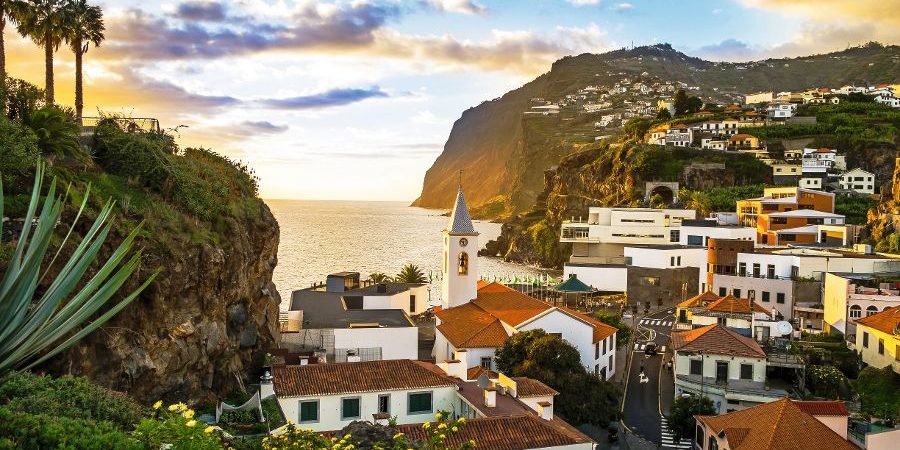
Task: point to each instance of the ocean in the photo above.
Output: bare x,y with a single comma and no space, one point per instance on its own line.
322,237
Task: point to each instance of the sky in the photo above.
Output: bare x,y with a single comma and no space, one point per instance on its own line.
353,100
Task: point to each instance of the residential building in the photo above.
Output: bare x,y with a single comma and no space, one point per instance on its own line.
778,425
327,397
811,183
849,297
743,141
786,173
878,338
794,207
758,97
781,110
663,274
742,315
818,161
719,363
657,134
858,180
679,136
712,142
887,99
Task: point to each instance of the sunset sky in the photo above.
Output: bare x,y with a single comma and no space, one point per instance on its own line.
354,99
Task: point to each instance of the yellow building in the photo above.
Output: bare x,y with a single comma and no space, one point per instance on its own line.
878,339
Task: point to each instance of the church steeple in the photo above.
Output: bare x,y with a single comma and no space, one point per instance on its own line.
459,284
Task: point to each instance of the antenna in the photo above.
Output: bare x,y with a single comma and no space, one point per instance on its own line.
460,179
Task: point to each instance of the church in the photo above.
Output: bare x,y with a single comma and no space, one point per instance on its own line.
476,317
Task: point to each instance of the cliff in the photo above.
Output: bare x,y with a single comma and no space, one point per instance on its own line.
503,153
203,326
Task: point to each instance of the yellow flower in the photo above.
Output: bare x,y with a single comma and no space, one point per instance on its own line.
347,436
191,423
182,407
398,435
189,414
426,425
442,437
472,442
438,416
442,426
158,404
210,429
173,407
455,429
462,420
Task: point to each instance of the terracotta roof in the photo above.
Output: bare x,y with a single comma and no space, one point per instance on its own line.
823,407
781,425
468,326
510,306
701,299
730,303
345,378
741,136
718,340
529,387
474,372
601,330
517,432
886,321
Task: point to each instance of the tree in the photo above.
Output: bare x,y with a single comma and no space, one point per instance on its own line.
694,104
85,27
35,326
22,98
879,392
44,21
9,10
411,273
583,397
615,320
57,133
825,381
663,114
680,103
19,151
378,277
698,201
681,421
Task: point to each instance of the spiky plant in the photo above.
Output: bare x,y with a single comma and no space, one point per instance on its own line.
410,273
35,327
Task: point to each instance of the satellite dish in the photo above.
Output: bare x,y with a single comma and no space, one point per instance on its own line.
784,327
483,381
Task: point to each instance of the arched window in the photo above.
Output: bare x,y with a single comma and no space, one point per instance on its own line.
855,312
462,267
871,309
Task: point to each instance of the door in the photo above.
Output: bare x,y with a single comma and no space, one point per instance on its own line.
721,372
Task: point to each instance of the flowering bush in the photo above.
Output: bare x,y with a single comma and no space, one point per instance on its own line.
176,425
825,381
434,435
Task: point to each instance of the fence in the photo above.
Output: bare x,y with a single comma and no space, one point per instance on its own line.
130,124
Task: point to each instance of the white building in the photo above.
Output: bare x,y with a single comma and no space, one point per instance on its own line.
817,161
679,136
859,181
888,99
814,183
781,110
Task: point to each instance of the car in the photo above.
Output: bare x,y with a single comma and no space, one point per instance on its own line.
650,349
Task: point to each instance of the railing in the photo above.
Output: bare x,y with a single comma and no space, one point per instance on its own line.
129,124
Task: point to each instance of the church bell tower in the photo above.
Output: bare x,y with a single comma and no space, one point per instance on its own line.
459,284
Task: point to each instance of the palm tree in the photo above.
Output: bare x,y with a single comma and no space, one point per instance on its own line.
410,273
44,21
85,27
57,133
378,277
37,324
9,10
698,201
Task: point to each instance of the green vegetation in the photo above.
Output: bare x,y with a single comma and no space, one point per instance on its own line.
879,392
19,154
378,277
57,133
411,273
84,26
583,398
684,104
611,318
720,198
846,125
826,381
681,422
854,207
35,326
653,162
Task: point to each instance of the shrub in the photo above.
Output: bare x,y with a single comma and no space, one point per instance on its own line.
18,153
176,426
611,318
825,381
879,392
42,431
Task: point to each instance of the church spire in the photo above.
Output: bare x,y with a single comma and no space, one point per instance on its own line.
460,221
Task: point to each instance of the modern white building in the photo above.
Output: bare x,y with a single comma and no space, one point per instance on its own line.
858,180
781,110
814,183
817,161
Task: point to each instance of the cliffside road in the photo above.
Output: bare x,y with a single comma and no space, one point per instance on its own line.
642,399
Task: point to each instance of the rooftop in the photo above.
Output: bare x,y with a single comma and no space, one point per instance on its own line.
780,425
807,213
355,377
887,321
718,340
326,310
517,432
823,407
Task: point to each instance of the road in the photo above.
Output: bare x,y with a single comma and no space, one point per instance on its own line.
641,409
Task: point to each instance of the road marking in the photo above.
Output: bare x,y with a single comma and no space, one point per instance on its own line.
663,349
668,439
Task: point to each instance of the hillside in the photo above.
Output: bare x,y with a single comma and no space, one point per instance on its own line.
503,153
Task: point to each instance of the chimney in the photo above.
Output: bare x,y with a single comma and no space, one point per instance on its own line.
455,368
545,410
490,397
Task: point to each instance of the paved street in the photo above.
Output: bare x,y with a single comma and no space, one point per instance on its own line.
642,412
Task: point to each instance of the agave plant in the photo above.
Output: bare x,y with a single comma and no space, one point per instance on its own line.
34,328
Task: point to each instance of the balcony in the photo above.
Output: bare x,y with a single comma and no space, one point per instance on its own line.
576,233
746,390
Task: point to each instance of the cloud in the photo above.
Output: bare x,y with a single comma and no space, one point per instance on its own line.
717,11
207,11
330,98
263,127
728,50
878,11
457,6
622,7
584,2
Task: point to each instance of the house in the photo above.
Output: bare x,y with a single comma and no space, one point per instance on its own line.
738,314
758,97
662,274
743,141
888,99
878,338
327,397
811,183
851,296
817,161
719,363
476,317
781,110
657,134
779,425
757,212
786,173
679,136
858,180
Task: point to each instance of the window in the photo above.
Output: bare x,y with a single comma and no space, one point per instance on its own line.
384,404
672,261
713,444
746,371
419,403
604,346
463,267
612,360
737,292
696,367
865,339
779,297
596,369
789,237
742,269
765,296
880,346
751,294
486,363
650,281
855,312
674,236
722,292
309,411
678,261
349,408
694,240
770,271
412,303
871,309
699,437
755,270
597,351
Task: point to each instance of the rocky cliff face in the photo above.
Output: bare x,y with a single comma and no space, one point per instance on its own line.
202,328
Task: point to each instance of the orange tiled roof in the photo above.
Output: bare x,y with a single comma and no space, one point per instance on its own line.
601,330
468,326
718,340
742,136
345,378
476,371
509,305
529,387
701,299
517,432
730,303
823,408
886,321
781,425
